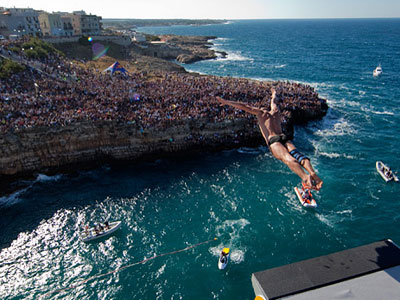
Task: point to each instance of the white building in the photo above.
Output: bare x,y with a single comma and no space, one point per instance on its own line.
138,37
51,24
67,24
19,21
85,24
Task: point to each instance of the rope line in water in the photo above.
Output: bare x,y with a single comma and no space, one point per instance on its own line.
126,267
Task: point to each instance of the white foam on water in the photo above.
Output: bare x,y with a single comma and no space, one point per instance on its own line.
293,202
376,112
324,220
13,198
280,66
237,256
347,211
232,228
335,155
317,85
343,103
160,271
341,128
322,152
237,56
222,39
265,79
45,178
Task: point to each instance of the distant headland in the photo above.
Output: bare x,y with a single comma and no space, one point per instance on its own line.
158,22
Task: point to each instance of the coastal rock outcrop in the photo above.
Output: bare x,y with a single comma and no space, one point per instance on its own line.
185,49
188,58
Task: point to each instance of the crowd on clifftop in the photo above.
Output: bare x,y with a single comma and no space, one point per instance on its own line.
57,92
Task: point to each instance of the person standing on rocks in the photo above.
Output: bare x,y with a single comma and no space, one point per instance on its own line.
279,144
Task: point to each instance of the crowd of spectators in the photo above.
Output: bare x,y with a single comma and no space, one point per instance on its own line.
55,91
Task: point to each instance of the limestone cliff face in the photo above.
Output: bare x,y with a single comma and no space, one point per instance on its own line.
45,149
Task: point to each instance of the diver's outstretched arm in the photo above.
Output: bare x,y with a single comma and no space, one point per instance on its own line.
240,105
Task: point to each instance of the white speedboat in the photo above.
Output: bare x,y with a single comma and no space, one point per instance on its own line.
91,234
377,71
385,171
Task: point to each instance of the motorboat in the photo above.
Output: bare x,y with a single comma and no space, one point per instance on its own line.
385,171
377,71
96,232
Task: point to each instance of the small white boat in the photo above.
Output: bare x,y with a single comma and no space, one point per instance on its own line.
91,234
223,258
385,171
377,71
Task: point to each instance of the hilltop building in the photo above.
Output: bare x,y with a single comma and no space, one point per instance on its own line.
19,22
85,24
51,24
67,24
27,21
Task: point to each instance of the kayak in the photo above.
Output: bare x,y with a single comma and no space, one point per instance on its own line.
306,203
91,235
382,169
223,259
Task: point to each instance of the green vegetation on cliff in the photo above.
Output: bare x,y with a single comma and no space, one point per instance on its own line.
9,67
36,48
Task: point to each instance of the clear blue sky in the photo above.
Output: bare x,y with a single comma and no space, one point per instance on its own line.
220,9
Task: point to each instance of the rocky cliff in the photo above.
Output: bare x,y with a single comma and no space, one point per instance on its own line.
45,149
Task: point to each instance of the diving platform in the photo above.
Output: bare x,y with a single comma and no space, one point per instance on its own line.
367,272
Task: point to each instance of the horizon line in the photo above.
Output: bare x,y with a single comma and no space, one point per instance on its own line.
244,19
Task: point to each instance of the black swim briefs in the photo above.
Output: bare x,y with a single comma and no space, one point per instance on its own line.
282,138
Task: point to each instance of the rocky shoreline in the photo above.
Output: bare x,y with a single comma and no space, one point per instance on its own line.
183,49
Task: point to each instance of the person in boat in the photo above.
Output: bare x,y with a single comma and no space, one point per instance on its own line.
280,145
306,195
98,228
224,257
388,173
107,225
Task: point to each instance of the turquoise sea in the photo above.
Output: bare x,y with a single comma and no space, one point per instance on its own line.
243,197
